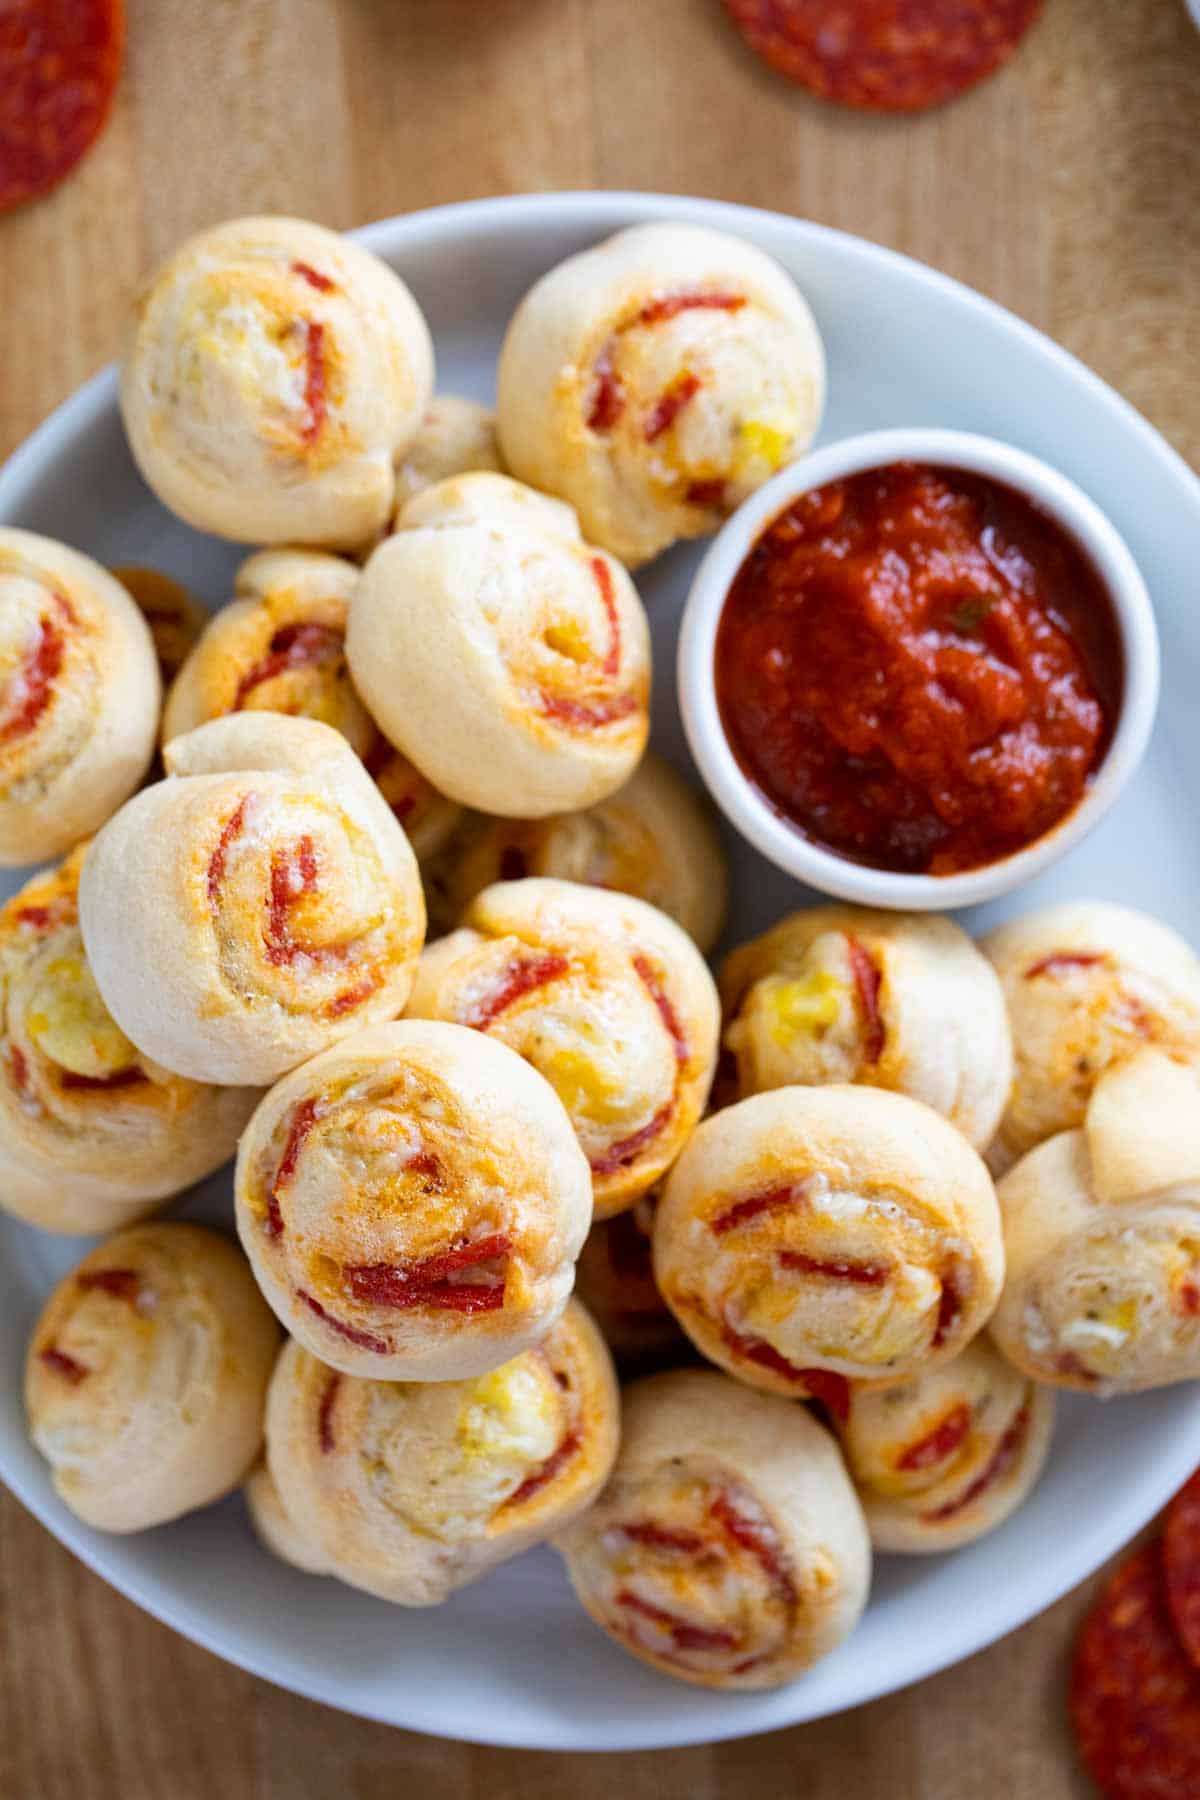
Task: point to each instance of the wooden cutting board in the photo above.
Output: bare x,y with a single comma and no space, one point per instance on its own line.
1068,188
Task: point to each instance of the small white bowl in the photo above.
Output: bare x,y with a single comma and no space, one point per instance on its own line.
752,813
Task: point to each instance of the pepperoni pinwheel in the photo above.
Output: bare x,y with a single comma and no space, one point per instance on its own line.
412,1203
412,1489
259,904
506,658
273,372
79,697
656,380
147,1376
1102,1239
1088,984
891,1000
728,1549
813,1239
606,997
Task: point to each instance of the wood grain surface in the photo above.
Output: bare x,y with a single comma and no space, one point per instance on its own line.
1068,188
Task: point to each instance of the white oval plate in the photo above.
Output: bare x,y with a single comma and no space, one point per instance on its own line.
514,1660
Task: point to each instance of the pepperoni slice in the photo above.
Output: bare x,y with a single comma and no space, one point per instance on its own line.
1181,1561
60,61
887,55
1135,1698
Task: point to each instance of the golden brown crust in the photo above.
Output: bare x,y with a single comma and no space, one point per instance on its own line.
147,1375
1102,1238
654,838
942,1460
890,1000
258,905
606,997
728,1549
412,1203
79,697
92,1135
411,1491
813,1238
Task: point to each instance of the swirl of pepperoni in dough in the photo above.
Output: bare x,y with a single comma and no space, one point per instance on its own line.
147,1376
412,1202
728,1549
657,380
410,1490
273,372
92,1135
811,1239
259,904
79,697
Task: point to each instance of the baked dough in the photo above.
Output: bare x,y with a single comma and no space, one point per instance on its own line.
456,437
410,1490
606,997
892,1000
275,1528
813,1238
92,1136
79,697
505,657
729,1548
147,1376
656,380
279,647
175,617
272,373
1102,1235
1087,984
412,1203
614,1278
259,904
946,1458
654,838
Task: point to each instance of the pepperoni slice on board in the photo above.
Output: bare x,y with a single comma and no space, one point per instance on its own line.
1181,1563
1135,1697
890,55
59,62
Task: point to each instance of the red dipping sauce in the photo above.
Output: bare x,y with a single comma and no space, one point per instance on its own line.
919,669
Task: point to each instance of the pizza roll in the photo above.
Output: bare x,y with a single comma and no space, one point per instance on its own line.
92,1135
272,373
274,1526
279,647
504,656
174,616
410,1490
814,1238
259,904
412,1203
656,380
654,838
456,437
1087,985
729,1548
944,1459
147,1376
79,697
1102,1236
891,1000
614,1278
606,997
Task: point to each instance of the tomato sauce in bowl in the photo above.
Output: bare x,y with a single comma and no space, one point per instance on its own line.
919,669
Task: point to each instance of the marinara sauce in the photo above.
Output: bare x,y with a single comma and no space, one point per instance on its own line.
919,669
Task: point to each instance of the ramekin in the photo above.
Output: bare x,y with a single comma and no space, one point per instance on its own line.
749,810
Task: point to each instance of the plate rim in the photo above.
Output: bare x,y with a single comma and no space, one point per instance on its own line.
604,210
